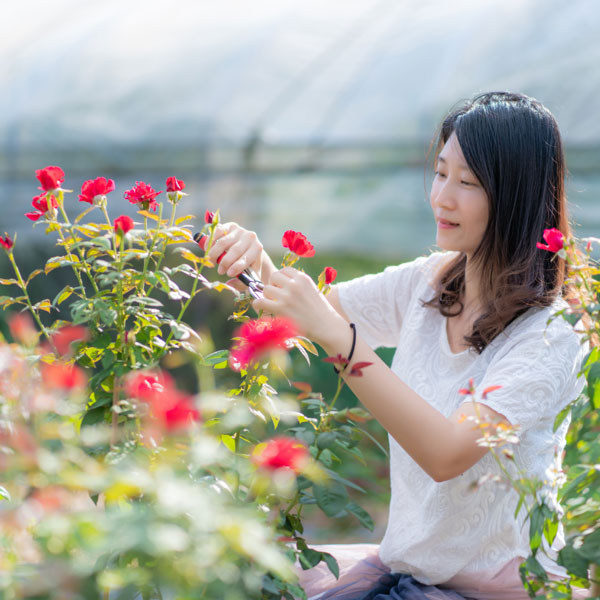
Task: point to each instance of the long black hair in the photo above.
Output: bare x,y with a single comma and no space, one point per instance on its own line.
512,144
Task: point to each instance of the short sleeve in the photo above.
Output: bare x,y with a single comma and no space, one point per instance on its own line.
377,303
538,374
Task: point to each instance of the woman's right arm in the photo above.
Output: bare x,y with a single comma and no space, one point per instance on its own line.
241,249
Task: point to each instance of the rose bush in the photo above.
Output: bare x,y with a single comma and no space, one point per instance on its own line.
114,480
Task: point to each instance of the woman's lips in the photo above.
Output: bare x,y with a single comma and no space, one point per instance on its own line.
443,224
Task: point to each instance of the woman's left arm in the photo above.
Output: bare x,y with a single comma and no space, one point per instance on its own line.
444,447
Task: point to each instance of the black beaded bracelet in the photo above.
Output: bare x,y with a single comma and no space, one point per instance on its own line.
353,327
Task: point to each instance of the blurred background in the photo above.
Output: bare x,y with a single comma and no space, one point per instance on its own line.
286,114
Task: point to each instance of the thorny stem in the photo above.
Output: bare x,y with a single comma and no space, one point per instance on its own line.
23,286
82,261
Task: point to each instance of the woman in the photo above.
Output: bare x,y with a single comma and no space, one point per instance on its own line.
478,310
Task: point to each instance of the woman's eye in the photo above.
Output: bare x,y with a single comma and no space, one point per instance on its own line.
468,183
438,174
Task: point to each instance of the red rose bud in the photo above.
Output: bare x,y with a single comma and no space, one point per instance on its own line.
123,224
143,195
94,189
259,337
330,275
174,185
281,453
50,178
6,242
297,243
554,239
209,216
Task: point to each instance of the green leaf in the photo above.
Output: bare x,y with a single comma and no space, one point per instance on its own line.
326,439
331,499
364,518
331,563
573,561
215,358
62,295
590,548
310,558
536,526
533,566
94,416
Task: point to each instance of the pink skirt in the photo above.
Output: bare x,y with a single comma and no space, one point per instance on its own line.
361,570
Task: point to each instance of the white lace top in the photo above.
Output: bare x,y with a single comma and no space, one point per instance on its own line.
438,530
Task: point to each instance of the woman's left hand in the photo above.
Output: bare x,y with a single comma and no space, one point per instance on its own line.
293,294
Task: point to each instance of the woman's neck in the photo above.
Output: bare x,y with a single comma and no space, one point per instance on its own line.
472,302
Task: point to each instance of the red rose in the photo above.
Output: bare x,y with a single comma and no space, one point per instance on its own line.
145,386
143,195
42,203
6,242
63,376
330,275
96,187
209,216
22,329
297,243
50,178
174,185
177,413
170,407
67,335
259,337
282,453
123,224
555,240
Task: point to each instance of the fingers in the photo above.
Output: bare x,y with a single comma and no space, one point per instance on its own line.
234,248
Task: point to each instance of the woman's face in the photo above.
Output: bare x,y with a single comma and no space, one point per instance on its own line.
459,204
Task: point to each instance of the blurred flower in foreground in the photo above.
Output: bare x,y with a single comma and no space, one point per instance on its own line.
281,453
173,409
143,195
94,190
259,337
63,376
50,178
22,329
67,335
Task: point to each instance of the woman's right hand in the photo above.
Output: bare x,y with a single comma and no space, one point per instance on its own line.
239,249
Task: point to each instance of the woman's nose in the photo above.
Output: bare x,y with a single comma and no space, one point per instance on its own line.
443,195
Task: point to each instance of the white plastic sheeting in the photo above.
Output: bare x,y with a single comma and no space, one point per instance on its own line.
293,71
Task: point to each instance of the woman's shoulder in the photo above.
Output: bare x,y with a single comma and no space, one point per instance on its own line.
543,329
424,268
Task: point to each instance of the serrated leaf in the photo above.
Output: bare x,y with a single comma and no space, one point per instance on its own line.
184,219
574,561
331,563
62,295
228,442
148,215
364,518
9,282
306,343
43,305
331,499
33,274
